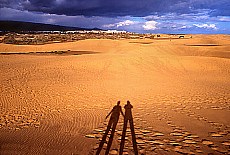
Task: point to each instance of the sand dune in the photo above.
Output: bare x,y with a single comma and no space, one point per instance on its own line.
56,104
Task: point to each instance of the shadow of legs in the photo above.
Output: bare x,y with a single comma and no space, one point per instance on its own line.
133,137
111,138
123,137
104,138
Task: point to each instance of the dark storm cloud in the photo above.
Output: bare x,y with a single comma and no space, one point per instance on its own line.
143,16
96,7
119,7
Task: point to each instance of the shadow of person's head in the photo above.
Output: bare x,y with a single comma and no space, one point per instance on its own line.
118,102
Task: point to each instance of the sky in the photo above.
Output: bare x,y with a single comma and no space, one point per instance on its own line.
141,16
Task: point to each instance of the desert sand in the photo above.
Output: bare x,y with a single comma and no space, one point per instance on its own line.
56,104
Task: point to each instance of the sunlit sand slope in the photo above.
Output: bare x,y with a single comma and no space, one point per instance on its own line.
180,90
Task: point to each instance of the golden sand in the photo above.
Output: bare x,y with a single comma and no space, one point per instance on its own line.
56,104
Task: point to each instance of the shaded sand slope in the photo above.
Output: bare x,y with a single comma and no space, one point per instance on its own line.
179,90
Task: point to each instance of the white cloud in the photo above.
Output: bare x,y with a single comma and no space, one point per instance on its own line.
125,23
224,18
120,24
184,27
206,26
202,15
150,25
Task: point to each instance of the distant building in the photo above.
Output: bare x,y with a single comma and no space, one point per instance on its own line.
115,31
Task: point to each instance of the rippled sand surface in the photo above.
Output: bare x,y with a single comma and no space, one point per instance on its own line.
56,104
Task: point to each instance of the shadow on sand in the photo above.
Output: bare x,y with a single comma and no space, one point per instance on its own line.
115,113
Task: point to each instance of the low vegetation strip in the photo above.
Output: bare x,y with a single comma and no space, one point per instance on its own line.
68,52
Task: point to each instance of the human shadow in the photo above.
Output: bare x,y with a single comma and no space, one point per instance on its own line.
128,117
115,113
